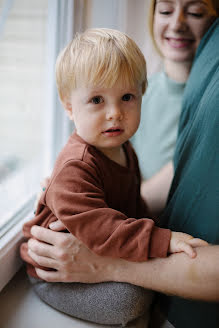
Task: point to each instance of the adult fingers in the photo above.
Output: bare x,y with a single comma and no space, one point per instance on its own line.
61,239
40,248
62,276
60,254
43,261
57,226
49,276
54,276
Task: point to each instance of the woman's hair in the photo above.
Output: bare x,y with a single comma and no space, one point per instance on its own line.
215,4
151,22
100,57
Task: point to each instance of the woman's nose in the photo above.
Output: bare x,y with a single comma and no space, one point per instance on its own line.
114,112
178,22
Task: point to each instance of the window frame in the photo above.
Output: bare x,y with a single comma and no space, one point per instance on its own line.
56,130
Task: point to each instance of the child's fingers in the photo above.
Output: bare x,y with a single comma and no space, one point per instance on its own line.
186,248
37,199
44,183
196,242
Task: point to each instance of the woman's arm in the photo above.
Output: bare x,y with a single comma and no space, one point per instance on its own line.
161,182
196,278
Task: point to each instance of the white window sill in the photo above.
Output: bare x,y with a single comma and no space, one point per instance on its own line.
21,308
16,190
10,260
17,193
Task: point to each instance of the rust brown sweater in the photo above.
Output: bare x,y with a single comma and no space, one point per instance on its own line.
99,202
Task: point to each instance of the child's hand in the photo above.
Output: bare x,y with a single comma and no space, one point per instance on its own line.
182,242
43,185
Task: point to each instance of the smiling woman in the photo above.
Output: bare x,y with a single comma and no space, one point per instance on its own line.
176,27
179,26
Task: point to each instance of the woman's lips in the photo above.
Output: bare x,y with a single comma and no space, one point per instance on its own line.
178,43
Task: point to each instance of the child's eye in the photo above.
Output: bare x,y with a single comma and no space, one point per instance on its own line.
97,100
127,97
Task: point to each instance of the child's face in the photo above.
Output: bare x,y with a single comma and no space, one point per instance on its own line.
105,117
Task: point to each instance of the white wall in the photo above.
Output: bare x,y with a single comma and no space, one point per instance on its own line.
129,16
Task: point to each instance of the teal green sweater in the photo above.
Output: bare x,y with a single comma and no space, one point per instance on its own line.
193,204
155,139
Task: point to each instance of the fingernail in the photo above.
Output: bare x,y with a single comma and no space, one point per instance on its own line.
44,188
32,230
34,212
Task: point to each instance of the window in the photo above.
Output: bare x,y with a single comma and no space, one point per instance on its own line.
30,38
22,84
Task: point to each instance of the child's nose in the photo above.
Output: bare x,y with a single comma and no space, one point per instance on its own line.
114,112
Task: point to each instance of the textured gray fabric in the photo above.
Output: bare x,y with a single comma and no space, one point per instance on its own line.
108,303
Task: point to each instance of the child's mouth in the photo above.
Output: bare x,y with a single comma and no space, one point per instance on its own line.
112,132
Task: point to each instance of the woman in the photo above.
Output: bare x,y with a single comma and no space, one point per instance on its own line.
176,28
156,274
176,35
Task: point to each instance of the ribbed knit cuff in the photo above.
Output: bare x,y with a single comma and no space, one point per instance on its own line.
159,244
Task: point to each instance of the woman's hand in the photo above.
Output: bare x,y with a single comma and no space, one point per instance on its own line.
196,278
72,260
57,226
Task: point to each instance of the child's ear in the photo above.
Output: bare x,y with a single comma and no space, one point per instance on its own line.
68,107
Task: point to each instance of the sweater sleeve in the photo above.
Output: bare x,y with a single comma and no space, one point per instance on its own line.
76,197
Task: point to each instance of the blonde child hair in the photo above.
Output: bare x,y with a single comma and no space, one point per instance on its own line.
100,57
